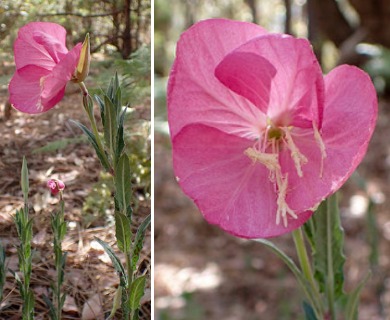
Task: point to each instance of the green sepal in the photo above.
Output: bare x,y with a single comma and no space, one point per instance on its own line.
123,232
115,261
138,241
137,290
92,140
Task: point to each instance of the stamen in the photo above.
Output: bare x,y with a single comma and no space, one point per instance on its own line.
283,208
297,156
271,161
39,103
321,145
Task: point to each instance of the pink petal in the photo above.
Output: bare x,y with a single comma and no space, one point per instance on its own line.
249,75
296,94
56,81
349,119
39,43
194,94
228,188
25,89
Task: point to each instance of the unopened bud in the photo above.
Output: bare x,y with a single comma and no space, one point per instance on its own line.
82,69
55,186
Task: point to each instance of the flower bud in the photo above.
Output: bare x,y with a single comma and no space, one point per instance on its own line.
82,69
55,186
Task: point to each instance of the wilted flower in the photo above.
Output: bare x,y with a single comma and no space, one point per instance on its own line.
43,67
260,137
55,186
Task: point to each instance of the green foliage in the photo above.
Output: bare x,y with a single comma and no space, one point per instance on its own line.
309,312
24,228
123,232
351,309
329,242
115,262
138,241
123,192
136,292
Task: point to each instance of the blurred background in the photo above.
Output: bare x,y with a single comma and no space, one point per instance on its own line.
54,148
204,273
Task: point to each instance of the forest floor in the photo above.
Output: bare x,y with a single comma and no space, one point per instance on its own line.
203,273
90,280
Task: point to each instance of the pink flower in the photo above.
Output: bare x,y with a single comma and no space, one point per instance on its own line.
55,186
260,137
43,67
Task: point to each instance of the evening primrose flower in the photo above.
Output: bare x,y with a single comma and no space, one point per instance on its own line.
55,186
43,67
260,137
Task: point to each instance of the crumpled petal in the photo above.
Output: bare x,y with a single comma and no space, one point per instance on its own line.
349,120
194,95
33,48
25,90
296,94
249,75
60,75
228,188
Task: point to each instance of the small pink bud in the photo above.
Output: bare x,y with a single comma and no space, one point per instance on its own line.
55,186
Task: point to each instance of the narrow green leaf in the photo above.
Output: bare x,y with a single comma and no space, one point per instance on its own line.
138,241
24,180
136,292
117,302
123,232
123,182
115,261
52,310
309,312
120,142
305,286
328,244
351,310
110,124
92,140
102,108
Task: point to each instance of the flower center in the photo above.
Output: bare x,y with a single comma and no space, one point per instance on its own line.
266,152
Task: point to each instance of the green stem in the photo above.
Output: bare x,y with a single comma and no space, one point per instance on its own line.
330,277
129,280
307,270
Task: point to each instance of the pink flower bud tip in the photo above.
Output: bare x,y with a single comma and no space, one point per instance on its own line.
55,186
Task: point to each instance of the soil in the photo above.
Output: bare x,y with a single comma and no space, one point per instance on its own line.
203,273
90,279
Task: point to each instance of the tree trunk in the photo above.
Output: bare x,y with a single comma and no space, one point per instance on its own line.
252,6
127,39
